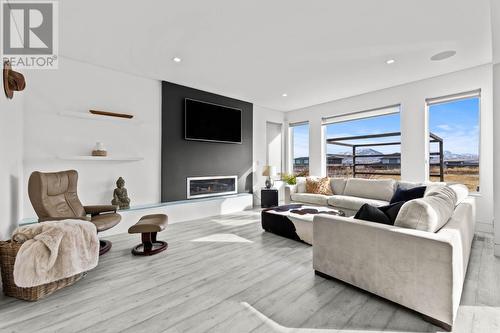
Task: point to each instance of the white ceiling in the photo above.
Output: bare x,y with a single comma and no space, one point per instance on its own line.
255,50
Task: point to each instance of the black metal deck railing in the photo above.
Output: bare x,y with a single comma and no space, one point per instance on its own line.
341,141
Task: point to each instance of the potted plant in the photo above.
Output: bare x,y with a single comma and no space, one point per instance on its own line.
289,179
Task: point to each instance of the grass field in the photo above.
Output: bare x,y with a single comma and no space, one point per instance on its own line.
469,176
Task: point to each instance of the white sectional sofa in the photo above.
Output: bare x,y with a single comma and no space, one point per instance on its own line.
348,194
419,263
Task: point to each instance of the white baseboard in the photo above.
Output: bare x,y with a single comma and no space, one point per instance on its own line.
484,227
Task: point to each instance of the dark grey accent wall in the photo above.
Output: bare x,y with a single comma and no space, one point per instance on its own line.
182,158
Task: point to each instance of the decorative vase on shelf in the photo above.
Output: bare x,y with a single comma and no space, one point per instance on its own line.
99,150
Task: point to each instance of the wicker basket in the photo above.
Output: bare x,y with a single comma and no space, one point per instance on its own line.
8,252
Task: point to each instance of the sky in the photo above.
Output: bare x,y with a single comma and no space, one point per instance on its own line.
456,122
300,141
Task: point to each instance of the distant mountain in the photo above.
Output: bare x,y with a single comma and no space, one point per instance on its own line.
368,151
448,155
347,160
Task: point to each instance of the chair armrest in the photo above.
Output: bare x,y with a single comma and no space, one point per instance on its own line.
99,209
47,219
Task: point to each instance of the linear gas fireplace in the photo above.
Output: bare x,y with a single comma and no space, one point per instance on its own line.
199,187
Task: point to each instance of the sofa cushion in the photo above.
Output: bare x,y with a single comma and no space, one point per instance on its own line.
338,185
318,186
372,214
353,203
301,184
429,213
378,189
392,210
409,194
406,185
432,186
310,198
461,191
385,214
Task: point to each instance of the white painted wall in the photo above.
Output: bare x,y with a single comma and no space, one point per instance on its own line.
78,87
495,20
496,125
274,142
261,116
11,150
275,154
495,29
414,144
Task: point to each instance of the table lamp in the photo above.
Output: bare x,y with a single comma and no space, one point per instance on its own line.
269,171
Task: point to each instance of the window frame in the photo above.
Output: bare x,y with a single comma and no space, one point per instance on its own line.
361,115
429,102
291,144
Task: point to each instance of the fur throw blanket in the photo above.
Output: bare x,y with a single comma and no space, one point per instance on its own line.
54,250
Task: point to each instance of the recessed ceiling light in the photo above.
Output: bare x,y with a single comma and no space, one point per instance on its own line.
443,55
390,61
177,59
284,95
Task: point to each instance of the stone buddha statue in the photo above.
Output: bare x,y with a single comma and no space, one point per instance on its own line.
120,195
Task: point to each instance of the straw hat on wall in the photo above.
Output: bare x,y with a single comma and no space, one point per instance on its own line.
12,80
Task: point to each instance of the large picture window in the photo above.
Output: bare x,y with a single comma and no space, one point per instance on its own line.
364,145
299,138
455,121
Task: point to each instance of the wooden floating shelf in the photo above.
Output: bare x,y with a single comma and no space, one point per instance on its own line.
101,158
90,116
112,114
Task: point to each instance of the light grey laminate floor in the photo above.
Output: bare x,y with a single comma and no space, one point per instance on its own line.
224,274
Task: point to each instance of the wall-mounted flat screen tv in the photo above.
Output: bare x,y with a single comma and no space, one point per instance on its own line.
211,122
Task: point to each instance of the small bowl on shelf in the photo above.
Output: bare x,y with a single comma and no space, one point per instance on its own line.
102,153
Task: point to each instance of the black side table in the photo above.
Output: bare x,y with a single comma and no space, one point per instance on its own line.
268,197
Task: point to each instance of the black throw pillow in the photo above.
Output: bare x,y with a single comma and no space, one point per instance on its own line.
392,210
385,214
407,195
373,214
